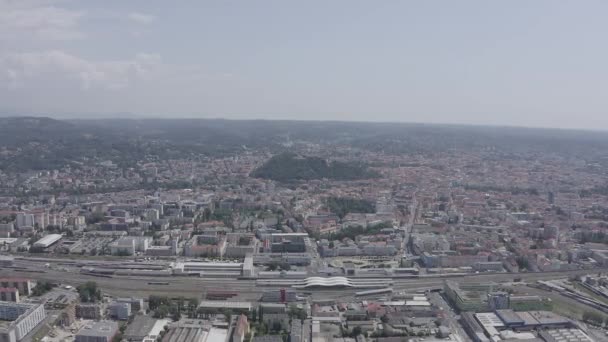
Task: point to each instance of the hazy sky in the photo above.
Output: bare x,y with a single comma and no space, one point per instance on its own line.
529,63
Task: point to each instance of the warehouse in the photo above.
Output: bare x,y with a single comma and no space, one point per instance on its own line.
47,241
103,331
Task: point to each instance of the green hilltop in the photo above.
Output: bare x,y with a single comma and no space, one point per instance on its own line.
286,167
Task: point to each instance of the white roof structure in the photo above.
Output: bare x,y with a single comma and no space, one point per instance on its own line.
327,282
216,334
417,303
394,303
47,240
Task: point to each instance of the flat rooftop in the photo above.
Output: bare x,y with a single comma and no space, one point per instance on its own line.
99,329
224,304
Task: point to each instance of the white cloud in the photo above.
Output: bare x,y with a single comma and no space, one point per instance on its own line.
21,69
38,20
141,18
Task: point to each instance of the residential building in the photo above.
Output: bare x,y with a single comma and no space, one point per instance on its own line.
9,294
21,317
23,285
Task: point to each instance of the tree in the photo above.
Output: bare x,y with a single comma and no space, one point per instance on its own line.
206,214
42,287
296,313
180,303
356,331
161,312
89,292
156,301
276,326
95,218
192,305
593,317
522,262
341,206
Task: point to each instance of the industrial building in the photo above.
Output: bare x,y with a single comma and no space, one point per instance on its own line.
140,328
130,244
195,331
47,241
565,335
511,325
103,331
137,304
119,310
216,269
18,319
89,311
212,305
484,297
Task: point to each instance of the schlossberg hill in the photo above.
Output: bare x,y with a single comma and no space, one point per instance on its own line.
287,167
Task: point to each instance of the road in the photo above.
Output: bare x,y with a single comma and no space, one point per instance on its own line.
458,334
409,226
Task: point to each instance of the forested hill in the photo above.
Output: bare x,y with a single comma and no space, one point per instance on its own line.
287,167
40,143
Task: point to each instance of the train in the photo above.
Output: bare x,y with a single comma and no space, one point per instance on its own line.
374,292
220,295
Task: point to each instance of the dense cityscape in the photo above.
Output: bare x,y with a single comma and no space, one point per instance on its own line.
263,231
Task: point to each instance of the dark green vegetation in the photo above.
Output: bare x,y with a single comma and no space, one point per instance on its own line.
89,292
597,190
341,206
163,307
592,236
42,287
594,318
286,167
513,190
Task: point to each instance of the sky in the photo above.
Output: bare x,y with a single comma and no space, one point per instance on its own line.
541,63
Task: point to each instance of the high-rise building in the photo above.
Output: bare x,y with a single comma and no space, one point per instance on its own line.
24,220
22,319
23,285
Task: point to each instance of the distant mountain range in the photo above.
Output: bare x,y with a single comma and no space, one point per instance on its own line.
7,113
35,143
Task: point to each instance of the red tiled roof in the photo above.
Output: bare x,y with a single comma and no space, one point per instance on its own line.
13,279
